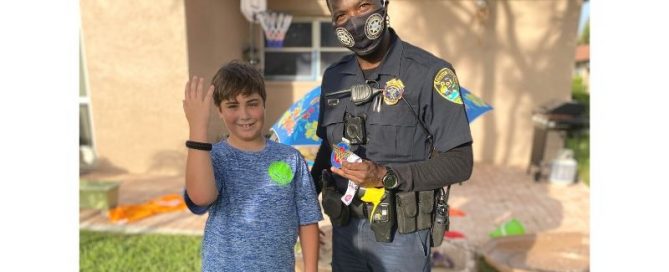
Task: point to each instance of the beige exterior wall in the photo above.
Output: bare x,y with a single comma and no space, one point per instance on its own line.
217,34
139,55
518,59
137,61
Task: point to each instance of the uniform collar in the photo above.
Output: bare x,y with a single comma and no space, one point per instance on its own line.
390,65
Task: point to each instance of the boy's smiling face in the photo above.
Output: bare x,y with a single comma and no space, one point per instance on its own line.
243,117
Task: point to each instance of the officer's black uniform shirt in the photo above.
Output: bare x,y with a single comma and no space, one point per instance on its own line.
394,135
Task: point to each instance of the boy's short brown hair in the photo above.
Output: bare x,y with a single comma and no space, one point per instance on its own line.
237,78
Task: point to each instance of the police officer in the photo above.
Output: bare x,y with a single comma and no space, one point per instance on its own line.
411,132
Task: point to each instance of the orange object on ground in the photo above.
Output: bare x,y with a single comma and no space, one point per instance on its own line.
131,213
455,212
454,234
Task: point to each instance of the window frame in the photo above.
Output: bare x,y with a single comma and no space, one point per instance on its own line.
315,50
85,98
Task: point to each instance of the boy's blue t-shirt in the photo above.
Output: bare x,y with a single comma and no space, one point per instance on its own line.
263,199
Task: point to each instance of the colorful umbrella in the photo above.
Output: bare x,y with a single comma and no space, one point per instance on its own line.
474,106
297,126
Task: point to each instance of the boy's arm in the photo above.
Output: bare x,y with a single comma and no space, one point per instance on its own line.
309,242
200,182
308,212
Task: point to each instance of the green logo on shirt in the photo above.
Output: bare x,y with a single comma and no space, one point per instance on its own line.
280,173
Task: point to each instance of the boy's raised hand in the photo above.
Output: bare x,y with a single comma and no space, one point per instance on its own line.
197,104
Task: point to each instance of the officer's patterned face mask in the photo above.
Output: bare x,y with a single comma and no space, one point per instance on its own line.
362,34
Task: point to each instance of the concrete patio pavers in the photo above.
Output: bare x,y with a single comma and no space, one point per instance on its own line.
493,195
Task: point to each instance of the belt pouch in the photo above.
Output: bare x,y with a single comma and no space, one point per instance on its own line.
425,208
332,204
334,208
406,212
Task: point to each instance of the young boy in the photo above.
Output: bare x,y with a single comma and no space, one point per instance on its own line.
259,193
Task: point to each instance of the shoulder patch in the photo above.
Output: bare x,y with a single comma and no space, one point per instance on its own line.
446,84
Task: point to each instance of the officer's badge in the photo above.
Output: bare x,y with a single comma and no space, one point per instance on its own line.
446,84
393,91
344,37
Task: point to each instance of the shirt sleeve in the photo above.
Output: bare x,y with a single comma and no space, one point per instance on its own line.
444,111
445,117
308,208
194,208
444,168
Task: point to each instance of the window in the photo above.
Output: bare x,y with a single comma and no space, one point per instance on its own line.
86,144
310,46
85,128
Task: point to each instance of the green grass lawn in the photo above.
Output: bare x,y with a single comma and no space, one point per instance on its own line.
107,251
111,251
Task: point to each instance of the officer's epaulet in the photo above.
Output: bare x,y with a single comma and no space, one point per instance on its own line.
338,63
428,60
419,56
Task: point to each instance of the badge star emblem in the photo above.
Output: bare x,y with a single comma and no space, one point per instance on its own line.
344,37
373,26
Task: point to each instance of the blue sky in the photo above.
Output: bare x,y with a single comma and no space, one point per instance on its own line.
585,14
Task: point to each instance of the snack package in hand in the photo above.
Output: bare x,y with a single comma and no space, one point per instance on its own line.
342,152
